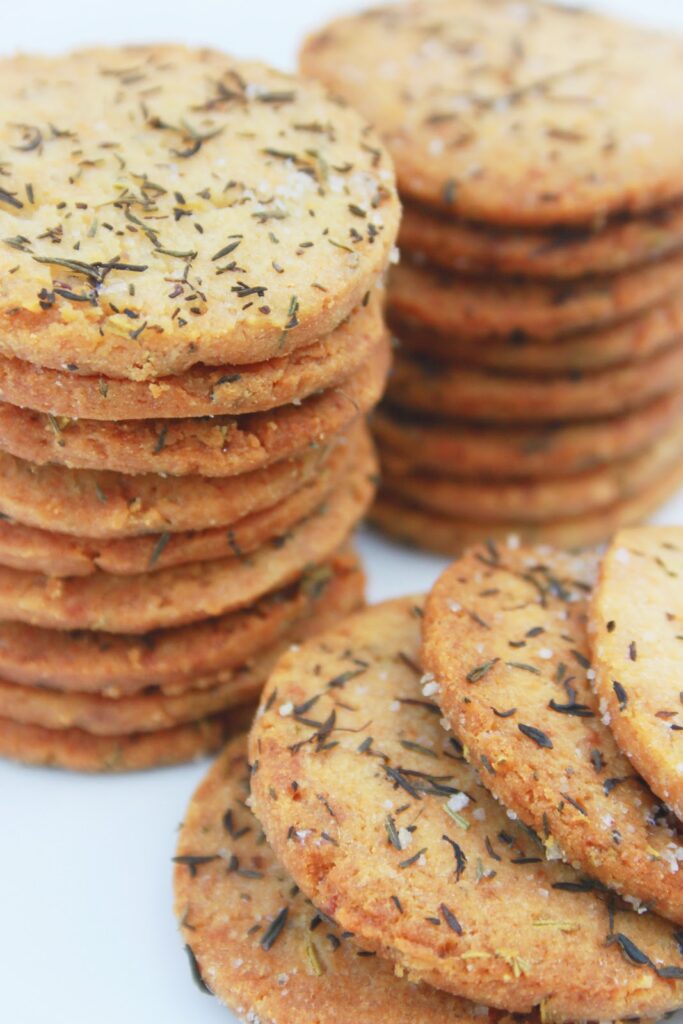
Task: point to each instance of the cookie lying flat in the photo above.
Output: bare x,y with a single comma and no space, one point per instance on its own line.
563,253
224,446
636,630
201,391
521,114
360,792
484,396
522,452
505,639
199,159
481,308
173,659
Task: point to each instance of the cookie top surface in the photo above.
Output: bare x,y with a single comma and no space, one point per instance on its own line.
361,792
162,207
259,944
637,644
506,638
514,113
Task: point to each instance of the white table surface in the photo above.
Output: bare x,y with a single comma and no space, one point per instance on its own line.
86,930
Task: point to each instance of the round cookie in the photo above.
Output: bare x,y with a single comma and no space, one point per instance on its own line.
202,390
359,790
632,340
154,709
484,396
564,253
518,452
185,209
230,920
211,447
505,642
537,500
174,659
515,114
187,593
478,309
637,650
449,535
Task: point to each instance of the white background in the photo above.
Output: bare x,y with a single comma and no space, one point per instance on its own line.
86,930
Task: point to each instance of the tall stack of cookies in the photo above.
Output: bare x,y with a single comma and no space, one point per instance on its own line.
191,334
538,306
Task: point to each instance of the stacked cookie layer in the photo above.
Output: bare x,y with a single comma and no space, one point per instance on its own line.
191,337
538,305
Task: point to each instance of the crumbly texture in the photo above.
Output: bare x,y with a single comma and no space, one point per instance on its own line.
360,790
187,593
562,253
163,207
632,340
520,452
637,649
450,535
525,114
505,639
483,308
542,499
217,447
482,395
231,896
174,660
154,709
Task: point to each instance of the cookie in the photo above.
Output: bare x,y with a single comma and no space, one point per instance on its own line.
529,115
186,208
154,709
636,645
449,535
632,340
257,943
224,446
520,452
360,792
563,253
483,396
505,640
201,391
187,593
477,309
174,659
544,499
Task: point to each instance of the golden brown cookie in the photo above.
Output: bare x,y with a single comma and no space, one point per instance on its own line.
637,648
520,452
483,396
518,114
361,794
164,207
224,446
154,709
172,659
449,535
202,390
477,309
258,944
505,640
187,593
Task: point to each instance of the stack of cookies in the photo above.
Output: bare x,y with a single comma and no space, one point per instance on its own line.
191,335
538,307
467,838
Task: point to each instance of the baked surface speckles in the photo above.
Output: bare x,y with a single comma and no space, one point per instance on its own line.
636,630
360,791
163,207
506,638
514,113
